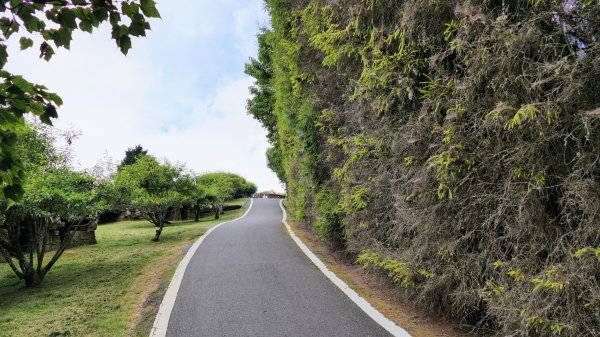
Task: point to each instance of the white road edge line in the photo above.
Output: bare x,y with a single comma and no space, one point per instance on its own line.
377,316
161,322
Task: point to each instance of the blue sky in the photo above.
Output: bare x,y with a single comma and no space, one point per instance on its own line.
181,92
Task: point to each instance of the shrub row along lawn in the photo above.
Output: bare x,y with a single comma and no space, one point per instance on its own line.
99,290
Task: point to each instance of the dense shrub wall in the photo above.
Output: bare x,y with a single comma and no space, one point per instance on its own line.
452,145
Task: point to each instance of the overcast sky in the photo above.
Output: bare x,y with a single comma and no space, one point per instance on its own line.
180,93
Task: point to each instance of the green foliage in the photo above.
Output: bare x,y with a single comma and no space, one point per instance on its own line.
328,224
61,194
52,24
540,326
552,285
261,105
449,167
448,135
153,188
232,184
588,250
526,113
221,187
275,162
399,272
56,201
326,35
410,160
356,200
132,155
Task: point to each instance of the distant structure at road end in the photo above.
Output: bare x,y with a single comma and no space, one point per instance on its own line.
269,195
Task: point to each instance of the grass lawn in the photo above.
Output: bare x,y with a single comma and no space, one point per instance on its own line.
239,202
100,290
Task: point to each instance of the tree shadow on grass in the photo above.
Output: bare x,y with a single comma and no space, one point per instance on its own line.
74,283
146,224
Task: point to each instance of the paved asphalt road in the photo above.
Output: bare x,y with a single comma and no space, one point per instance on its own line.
248,278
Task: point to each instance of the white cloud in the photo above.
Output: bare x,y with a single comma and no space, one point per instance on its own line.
175,94
195,19
224,139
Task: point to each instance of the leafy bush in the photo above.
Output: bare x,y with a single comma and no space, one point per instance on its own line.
153,188
460,138
57,201
221,187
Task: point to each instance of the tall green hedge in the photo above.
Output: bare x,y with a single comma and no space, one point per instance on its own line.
452,145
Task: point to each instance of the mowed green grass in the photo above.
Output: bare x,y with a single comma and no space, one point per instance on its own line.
239,202
98,290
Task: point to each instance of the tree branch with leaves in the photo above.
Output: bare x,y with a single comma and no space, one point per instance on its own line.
51,25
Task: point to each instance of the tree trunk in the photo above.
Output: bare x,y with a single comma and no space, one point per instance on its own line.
32,279
158,232
217,212
196,213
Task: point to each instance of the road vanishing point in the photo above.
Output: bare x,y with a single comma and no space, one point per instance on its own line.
249,278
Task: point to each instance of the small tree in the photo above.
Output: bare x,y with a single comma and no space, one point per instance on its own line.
132,155
157,208
200,199
247,189
262,104
57,201
221,187
192,194
153,188
218,194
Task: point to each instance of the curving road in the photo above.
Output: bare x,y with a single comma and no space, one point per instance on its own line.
248,278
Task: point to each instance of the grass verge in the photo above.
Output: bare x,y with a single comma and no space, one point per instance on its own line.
111,289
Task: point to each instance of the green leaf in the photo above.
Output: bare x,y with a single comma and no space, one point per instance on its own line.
37,108
3,55
118,32
124,43
115,18
56,99
67,19
82,13
100,14
62,38
86,26
25,12
50,113
46,51
22,84
25,43
34,24
38,6
149,8
137,29
79,2
13,192
52,15
5,22
130,9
